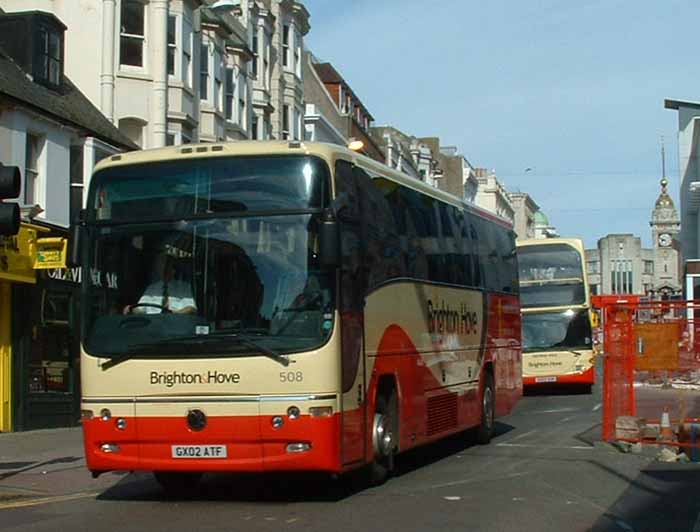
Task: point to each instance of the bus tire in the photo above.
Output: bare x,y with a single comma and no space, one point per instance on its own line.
384,434
177,482
488,405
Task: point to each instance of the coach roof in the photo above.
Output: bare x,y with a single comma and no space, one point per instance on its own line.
329,152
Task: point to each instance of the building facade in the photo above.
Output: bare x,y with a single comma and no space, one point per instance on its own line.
492,195
689,167
399,149
525,209
323,120
333,97
291,25
52,132
619,264
176,71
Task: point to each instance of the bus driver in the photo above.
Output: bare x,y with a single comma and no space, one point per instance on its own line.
165,293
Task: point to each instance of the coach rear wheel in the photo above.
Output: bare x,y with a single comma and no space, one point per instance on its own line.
178,483
384,435
485,431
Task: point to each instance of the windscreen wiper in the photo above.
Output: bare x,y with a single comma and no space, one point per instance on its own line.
271,353
219,337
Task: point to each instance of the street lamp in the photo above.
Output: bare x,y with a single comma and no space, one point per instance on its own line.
355,144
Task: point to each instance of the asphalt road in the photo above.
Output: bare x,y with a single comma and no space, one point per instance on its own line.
542,472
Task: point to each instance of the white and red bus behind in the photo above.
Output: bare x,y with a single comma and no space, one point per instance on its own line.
556,313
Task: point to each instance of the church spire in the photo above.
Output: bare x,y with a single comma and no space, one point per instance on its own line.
663,159
664,209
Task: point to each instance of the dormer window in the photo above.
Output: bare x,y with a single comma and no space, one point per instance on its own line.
48,60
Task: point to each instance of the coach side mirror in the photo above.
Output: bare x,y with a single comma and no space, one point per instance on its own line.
77,236
329,237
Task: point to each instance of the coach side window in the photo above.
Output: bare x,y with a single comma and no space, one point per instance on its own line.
454,264
384,259
475,251
353,278
488,255
508,263
416,236
465,249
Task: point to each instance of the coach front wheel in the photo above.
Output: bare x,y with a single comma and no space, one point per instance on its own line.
384,436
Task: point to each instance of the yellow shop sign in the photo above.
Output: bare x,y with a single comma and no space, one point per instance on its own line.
18,253
51,253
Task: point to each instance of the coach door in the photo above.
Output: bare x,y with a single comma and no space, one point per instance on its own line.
352,290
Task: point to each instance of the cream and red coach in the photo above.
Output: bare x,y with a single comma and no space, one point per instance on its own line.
323,312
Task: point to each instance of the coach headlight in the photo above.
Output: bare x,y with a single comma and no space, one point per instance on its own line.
105,414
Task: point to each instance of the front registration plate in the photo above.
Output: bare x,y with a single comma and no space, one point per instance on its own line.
199,451
545,379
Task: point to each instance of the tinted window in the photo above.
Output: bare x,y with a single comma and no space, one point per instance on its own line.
549,262
556,330
181,189
404,233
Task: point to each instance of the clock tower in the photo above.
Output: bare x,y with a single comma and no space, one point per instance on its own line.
665,228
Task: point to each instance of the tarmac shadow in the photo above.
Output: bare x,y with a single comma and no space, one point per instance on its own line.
273,488
429,454
284,488
662,497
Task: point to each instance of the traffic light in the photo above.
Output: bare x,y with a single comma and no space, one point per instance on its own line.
10,183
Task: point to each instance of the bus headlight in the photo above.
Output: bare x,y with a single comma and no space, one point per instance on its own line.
298,447
110,448
105,414
293,412
121,423
277,422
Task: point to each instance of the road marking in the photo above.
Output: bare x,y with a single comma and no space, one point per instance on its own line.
554,410
473,480
567,419
532,446
523,435
48,500
597,407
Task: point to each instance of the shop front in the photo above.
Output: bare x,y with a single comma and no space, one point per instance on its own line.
39,386
47,351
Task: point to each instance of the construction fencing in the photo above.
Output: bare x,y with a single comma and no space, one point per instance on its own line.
651,386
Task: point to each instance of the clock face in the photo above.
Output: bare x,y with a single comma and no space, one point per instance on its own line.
665,239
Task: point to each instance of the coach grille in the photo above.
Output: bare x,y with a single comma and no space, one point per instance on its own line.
442,413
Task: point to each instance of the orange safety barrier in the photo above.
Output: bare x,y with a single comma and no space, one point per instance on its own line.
651,386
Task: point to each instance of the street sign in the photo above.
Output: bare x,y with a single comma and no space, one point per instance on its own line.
17,254
51,253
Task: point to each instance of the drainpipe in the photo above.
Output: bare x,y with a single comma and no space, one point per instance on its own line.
107,74
159,98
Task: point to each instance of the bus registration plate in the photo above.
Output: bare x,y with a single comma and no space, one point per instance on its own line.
199,451
545,379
